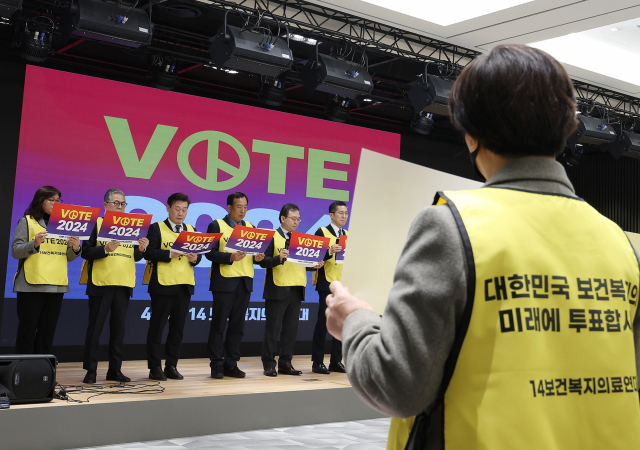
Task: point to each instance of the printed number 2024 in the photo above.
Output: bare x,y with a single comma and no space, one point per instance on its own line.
194,247
70,225
309,252
244,243
126,232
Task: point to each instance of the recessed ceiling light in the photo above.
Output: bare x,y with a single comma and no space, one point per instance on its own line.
614,29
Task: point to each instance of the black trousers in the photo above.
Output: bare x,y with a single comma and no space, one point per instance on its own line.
173,308
282,317
225,351
116,300
320,335
38,314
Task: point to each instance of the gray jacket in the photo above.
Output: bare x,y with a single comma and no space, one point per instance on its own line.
22,248
395,362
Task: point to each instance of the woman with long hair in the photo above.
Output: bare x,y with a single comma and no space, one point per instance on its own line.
41,279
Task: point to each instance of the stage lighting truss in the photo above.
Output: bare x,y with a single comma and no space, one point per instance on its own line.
35,37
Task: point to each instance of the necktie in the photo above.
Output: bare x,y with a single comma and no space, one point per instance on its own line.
178,228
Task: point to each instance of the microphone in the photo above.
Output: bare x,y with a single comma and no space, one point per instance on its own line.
286,247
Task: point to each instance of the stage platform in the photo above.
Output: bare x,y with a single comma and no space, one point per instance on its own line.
195,406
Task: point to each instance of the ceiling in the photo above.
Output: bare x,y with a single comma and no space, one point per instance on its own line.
533,22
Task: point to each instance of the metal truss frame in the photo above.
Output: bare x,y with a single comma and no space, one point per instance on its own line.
614,105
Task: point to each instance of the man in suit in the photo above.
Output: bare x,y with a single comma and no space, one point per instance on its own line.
171,286
283,293
231,286
111,276
323,277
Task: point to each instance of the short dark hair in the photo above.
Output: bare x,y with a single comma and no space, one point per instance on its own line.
231,198
110,193
334,206
286,209
516,101
178,197
35,208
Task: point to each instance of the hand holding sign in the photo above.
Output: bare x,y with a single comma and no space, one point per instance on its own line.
307,249
194,242
72,220
250,241
340,254
126,228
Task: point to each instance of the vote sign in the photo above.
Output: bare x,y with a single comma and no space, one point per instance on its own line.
249,240
72,220
126,228
342,242
194,242
307,249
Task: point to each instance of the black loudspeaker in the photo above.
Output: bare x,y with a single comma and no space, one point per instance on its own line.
28,378
626,143
431,94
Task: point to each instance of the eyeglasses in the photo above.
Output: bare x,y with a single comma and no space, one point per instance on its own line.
118,204
53,200
341,213
294,219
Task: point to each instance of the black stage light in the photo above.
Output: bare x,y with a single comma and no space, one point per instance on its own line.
337,76
254,49
627,143
165,75
591,130
35,39
572,156
272,93
422,123
338,109
107,22
431,94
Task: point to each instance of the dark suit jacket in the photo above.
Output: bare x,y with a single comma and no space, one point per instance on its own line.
271,291
91,252
155,253
218,282
322,285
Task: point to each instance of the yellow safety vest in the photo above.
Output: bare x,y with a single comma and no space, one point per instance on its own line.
332,271
49,264
117,269
287,274
547,359
243,268
179,270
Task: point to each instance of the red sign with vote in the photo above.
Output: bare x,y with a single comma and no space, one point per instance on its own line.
249,240
72,220
307,249
127,228
342,242
194,242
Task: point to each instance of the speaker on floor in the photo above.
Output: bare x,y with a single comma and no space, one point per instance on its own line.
28,378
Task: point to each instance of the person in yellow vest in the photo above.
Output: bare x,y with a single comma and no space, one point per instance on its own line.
110,272
41,279
331,271
284,287
171,284
513,315
231,286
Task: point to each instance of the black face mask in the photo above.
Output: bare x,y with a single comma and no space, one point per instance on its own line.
473,156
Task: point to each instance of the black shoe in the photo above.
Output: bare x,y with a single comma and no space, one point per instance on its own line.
337,367
217,372
172,372
157,374
234,372
288,369
90,377
270,371
320,368
116,375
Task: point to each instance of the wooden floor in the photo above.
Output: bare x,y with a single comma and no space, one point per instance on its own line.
197,381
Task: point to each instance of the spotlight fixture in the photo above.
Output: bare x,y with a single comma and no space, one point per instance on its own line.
591,130
431,94
338,109
107,22
422,122
272,93
572,156
626,143
164,74
344,74
253,49
35,39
